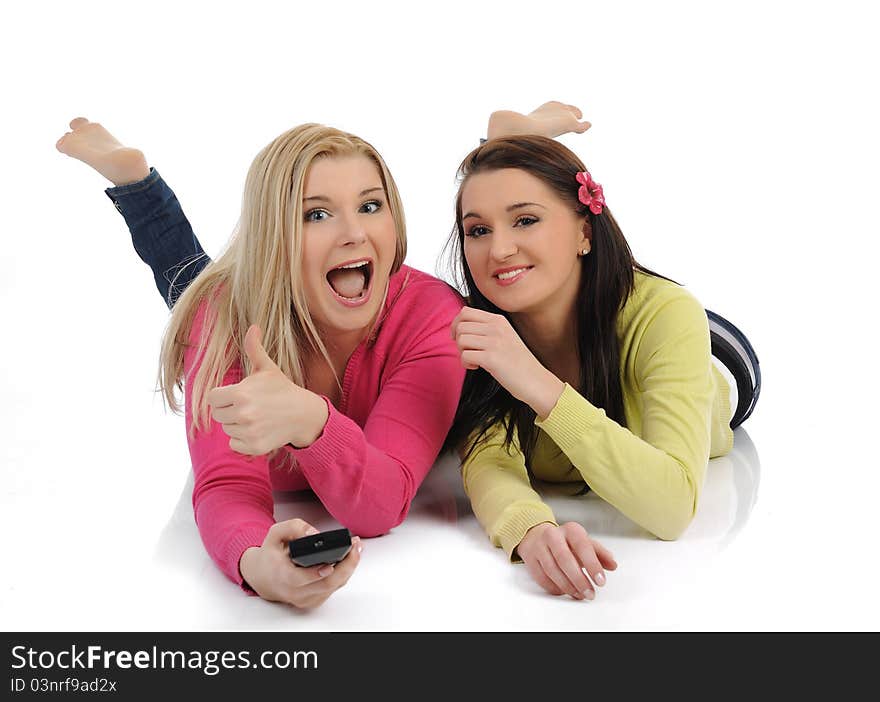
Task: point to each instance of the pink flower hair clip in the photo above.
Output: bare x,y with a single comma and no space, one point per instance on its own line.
590,193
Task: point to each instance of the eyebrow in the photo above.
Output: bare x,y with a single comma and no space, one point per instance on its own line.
509,208
324,198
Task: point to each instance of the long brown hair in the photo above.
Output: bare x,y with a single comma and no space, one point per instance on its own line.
606,283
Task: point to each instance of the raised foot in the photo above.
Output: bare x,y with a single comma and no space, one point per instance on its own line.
90,143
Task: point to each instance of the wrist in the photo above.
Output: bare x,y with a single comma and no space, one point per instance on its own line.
545,394
533,532
308,431
247,566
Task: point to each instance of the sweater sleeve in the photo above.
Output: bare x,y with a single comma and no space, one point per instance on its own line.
655,478
367,478
232,495
501,493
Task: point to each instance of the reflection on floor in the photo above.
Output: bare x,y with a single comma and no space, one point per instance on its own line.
438,571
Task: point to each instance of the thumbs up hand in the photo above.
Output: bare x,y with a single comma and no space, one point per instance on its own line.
266,410
253,347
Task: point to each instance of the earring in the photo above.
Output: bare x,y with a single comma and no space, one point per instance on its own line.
584,252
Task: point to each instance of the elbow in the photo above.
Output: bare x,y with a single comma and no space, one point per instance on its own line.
673,529
369,526
673,521
372,508
369,533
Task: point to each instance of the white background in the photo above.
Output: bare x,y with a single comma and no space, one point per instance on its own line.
738,149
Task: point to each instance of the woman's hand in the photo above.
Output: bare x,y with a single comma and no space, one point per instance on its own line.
266,410
549,120
558,556
268,570
488,341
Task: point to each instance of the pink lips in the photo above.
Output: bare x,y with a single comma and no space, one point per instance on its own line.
504,282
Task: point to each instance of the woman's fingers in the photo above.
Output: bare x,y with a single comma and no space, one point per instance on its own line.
571,567
590,565
473,321
298,585
303,587
233,430
471,359
246,448
339,573
276,578
288,530
472,341
78,122
584,548
554,572
470,336
296,577
540,577
223,396
224,415
471,329
565,560
332,577
472,314
606,558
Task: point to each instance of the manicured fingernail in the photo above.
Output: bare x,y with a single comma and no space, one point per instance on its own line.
599,578
589,594
311,530
325,571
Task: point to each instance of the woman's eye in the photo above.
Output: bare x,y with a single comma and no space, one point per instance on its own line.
526,221
477,230
371,206
316,215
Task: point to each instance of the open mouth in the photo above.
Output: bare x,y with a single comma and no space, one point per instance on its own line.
350,282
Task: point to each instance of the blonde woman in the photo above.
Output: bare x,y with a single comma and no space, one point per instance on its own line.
310,356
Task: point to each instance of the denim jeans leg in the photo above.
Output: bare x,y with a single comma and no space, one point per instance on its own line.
161,233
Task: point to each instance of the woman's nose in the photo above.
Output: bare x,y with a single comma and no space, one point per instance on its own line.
352,231
503,246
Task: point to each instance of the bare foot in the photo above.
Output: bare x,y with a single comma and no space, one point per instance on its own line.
92,144
550,120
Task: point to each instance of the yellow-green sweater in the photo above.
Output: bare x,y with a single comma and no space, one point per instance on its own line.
677,408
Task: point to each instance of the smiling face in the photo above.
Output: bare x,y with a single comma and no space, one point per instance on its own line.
521,241
349,241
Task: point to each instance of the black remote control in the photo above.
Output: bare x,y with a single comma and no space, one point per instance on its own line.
325,547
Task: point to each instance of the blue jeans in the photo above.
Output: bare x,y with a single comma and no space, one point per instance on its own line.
161,233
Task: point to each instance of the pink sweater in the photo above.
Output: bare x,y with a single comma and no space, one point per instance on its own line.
399,395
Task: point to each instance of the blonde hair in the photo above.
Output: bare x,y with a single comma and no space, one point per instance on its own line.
256,280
